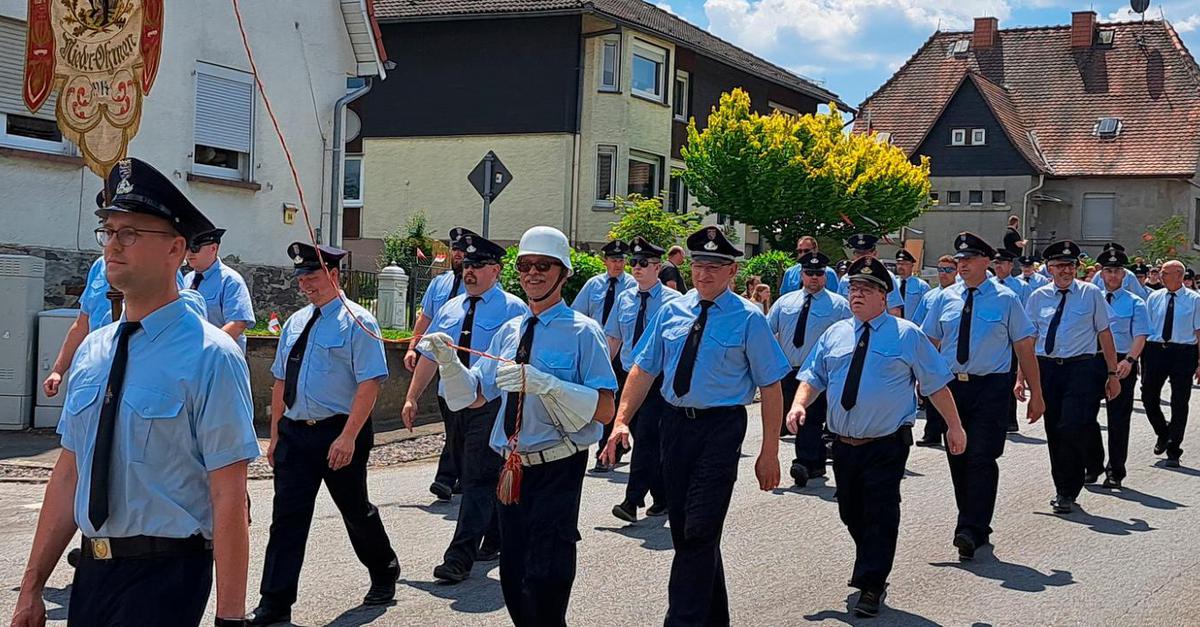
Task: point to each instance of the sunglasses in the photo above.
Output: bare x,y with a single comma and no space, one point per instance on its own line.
814,273
542,266
475,265
643,263
947,270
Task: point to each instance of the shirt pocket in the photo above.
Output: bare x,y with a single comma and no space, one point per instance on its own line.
558,363
154,416
989,318
326,349
79,413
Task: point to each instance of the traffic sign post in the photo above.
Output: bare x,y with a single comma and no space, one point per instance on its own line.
489,178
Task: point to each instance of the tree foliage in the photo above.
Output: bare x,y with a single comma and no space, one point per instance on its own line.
585,265
768,266
400,246
1169,240
646,217
790,175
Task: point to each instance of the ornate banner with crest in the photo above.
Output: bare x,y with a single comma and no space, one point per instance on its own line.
102,57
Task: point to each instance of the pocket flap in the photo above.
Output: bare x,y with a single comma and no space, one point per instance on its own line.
331,340
557,360
80,398
151,404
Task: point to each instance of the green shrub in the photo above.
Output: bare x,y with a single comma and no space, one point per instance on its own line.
769,266
585,265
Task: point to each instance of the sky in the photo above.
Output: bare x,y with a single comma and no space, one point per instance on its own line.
852,46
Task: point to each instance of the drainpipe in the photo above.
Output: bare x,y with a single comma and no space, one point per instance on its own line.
1025,209
335,187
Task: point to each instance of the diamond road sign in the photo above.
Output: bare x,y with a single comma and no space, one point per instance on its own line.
500,176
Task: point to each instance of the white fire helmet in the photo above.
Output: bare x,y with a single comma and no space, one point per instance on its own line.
546,241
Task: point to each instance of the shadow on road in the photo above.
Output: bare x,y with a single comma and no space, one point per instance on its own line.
1010,575
1100,524
1129,494
356,616
1017,438
1183,470
818,487
651,530
54,596
888,615
479,594
448,510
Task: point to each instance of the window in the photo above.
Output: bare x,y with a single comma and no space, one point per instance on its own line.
1108,127
352,222
224,124
1105,37
958,137
29,133
998,197
954,198
18,127
975,197
645,171
933,198
680,105
649,71
884,137
352,181
606,180
978,136
775,106
1098,216
610,63
959,46
679,194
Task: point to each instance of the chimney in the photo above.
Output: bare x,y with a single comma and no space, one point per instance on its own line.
1083,29
984,36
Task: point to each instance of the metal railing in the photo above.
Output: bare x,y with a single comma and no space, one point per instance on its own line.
361,287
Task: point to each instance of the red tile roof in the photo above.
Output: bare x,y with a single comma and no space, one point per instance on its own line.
1048,98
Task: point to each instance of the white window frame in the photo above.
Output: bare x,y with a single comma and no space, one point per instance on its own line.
21,142
246,174
652,159
993,197
353,202
973,203
654,54
610,151
978,136
610,42
1112,198
958,137
680,198
1196,223
950,201
680,99
775,106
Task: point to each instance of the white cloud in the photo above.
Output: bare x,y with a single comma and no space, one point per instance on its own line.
666,7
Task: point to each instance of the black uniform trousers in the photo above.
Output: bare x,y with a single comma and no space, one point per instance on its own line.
477,515
622,374
645,464
1011,416
1161,363
1119,410
983,409
810,439
449,468
700,463
868,495
1072,389
538,536
164,591
301,466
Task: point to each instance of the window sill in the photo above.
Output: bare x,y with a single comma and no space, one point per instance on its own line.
36,155
604,207
608,91
211,180
650,99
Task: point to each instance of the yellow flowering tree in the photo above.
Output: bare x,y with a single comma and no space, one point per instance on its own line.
791,175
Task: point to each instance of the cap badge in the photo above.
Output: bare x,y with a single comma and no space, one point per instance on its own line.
298,259
712,234
637,249
962,246
866,270
862,240
710,246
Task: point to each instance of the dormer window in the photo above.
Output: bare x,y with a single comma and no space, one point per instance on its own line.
958,47
1108,128
1106,37
978,136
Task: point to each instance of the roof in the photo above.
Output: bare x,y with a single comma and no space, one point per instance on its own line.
1048,97
635,13
365,38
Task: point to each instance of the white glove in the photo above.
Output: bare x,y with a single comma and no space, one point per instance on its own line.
438,347
459,385
570,405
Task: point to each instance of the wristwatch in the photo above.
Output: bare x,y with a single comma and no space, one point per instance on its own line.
1112,373
231,622
1131,359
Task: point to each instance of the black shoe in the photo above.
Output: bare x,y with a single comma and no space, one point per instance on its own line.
625,512
1172,462
264,616
813,474
487,554
869,603
73,557
1062,504
1111,482
1090,477
1014,428
601,468
441,491
457,489
800,475
658,509
965,546
1160,446
450,573
383,587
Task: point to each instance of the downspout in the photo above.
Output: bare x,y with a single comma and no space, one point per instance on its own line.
1025,210
572,208
335,186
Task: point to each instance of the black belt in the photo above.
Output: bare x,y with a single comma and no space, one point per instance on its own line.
903,431
962,377
330,420
694,413
1067,360
143,546
1170,345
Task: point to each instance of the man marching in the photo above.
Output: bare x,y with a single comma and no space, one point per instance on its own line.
1130,325
793,277
797,320
977,325
712,349
863,245
226,297
1171,355
868,366
635,309
910,287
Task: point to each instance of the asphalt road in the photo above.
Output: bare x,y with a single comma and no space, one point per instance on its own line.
1129,558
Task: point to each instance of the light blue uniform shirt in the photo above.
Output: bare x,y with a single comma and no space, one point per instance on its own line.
793,279
1034,281
1129,282
226,297
737,351
567,345
339,356
922,309
998,322
1187,315
898,356
185,411
893,297
914,289
590,299
1128,318
438,293
496,308
1018,287
622,322
826,309
1084,315
94,299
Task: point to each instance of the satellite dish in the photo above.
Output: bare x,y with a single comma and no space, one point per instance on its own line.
353,126
1139,6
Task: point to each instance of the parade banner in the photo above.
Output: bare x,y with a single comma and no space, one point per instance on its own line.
101,56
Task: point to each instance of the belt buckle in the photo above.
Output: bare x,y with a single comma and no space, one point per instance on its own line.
310,422
962,376
690,412
101,549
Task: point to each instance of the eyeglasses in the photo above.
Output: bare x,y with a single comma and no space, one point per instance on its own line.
945,270
1065,265
643,263
709,267
863,288
126,236
814,273
542,266
475,265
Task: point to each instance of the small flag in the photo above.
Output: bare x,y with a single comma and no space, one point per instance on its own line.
420,254
273,324
439,259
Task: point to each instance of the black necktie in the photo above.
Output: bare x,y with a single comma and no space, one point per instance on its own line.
850,391
802,322
1052,334
102,459
682,383
903,284
609,297
1108,297
196,279
454,287
468,325
524,347
1169,323
291,377
963,350
640,325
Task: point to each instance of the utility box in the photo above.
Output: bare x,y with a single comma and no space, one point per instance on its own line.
52,330
22,286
